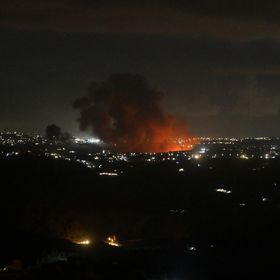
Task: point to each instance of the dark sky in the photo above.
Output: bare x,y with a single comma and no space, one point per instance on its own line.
217,61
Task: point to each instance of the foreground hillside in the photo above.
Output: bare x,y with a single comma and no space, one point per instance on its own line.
221,215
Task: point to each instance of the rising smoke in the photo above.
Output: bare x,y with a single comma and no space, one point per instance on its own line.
124,111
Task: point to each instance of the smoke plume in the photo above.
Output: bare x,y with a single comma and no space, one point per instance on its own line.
124,111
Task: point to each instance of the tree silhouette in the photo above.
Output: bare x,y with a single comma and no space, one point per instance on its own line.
53,131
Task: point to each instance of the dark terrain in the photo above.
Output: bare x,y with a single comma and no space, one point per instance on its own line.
173,225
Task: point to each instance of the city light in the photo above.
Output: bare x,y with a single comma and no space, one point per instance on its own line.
108,174
244,157
223,191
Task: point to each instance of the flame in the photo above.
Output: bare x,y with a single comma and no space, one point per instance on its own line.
125,112
167,135
159,145
85,242
112,241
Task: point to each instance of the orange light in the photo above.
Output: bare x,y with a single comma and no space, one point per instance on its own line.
85,242
112,241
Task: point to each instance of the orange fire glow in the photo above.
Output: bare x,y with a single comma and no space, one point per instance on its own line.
112,241
125,112
167,136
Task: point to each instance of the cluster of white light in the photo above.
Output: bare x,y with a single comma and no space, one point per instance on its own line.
12,154
108,174
223,191
86,140
192,248
93,140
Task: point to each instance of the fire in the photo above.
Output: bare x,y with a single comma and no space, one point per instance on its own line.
85,242
112,241
159,145
178,145
125,112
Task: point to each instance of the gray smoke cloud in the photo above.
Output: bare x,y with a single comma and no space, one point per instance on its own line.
125,112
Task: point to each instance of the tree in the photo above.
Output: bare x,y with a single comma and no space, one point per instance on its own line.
53,132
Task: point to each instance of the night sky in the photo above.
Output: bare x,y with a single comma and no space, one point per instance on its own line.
218,62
